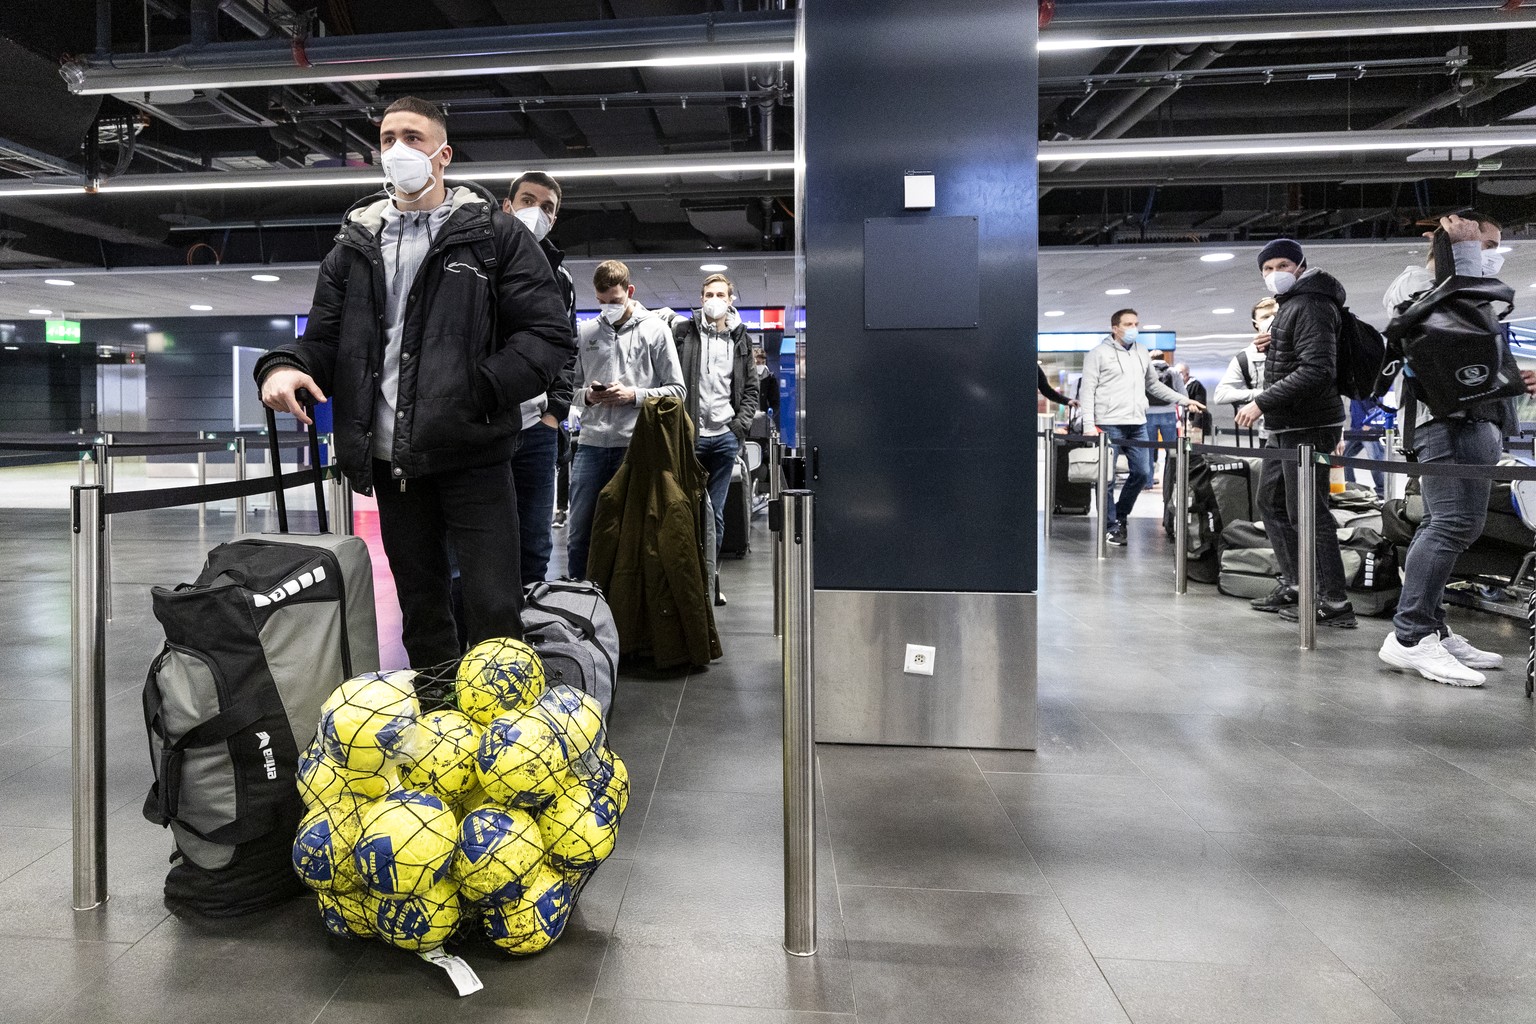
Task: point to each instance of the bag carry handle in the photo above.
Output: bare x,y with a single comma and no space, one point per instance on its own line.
275,451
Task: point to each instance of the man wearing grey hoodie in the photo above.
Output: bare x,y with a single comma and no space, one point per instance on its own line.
622,358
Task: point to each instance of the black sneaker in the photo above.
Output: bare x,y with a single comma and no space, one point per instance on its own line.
1282,597
1117,534
1339,614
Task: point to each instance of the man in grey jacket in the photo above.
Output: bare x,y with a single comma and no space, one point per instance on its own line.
622,358
1117,379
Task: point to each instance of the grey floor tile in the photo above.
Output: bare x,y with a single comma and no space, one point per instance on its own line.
726,740
1428,994
41,973
21,846
1067,744
645,1011
922,955
1043,803
1386,903
920,817
18,757
1180,993
22,718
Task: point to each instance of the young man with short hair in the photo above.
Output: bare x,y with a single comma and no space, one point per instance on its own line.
1300,404
716,358
426,393
1117,379
623,357
534,198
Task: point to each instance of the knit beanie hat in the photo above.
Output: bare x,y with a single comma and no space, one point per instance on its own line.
1281,248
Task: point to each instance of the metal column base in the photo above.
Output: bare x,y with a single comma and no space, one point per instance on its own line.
982,692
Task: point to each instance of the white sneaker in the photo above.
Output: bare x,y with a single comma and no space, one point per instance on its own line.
1430,659
1458,648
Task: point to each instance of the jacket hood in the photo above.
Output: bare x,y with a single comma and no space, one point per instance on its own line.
1316,282
368,212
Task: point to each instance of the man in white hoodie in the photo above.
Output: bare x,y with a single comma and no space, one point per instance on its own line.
622,358
1117,380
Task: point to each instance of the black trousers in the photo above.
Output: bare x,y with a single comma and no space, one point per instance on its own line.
1278,490
475,510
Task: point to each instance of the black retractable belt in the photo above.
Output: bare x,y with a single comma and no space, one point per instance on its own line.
314,461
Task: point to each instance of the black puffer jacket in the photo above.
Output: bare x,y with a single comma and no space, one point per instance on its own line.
485,330
1301,388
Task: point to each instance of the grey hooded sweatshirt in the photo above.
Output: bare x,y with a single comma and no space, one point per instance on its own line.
640,355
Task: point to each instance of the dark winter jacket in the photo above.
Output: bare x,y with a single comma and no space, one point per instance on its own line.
686,334
485,330
1301,388
648,549
557,401
1043,384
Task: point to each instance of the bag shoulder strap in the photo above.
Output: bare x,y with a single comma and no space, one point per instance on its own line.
1245,369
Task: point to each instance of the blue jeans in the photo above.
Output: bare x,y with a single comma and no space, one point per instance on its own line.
1371,450
591,470
1162,426
533,474
1454,513
1140,460
718,455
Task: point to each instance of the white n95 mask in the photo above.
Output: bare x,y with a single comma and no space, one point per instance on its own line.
536,220
1493,262
611,312
1279,282
714,309
407,171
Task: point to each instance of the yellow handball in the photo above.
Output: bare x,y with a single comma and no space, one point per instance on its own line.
577,719
348,915
364,720
579,829
521,762
420,922
500,849
616,780
498,675
407,844
445,764
322,850
323,782
533,922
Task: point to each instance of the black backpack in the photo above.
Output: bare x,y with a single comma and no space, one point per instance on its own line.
1362,355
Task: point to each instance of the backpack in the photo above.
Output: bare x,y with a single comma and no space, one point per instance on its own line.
569,624
1362,356
253,647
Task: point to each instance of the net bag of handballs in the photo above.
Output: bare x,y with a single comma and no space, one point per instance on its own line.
427,825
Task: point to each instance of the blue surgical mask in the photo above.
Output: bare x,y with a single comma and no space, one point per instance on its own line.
1131,334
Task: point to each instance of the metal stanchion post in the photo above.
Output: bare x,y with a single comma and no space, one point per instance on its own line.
240,476
88,698
796,528
1181,510
104,480
202,481
1051,455
1306,546
1101,492
776,488
1389,452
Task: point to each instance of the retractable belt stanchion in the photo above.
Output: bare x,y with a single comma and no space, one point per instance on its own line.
795,523
1050,476
104,481
776,488
1181,509
240,509
202,481
1101,492
1306,546
1389,453
88,697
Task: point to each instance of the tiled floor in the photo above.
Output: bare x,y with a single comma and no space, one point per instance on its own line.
1217,827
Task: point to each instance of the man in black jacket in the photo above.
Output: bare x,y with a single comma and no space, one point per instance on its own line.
1300,405
435,316
716,356
534,199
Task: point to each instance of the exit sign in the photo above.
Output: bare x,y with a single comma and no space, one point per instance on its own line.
61,332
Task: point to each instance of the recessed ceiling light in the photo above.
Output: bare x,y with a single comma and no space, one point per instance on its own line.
265,277
279,322
1223,310
1117,291
1217,257
200,309
140,327
41,312
1055,312
713,268
13,348
59,282
1505,248
1152,327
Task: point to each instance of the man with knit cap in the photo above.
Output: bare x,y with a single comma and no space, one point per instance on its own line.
1300,404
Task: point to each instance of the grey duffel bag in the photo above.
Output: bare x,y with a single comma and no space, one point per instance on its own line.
568,622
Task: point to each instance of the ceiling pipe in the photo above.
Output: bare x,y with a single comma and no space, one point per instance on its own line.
666,41
1451,98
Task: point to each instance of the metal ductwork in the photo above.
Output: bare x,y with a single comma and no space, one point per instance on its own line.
670,41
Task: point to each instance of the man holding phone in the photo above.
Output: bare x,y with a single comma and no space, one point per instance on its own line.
623,357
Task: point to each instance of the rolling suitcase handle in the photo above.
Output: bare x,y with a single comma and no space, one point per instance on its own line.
277,467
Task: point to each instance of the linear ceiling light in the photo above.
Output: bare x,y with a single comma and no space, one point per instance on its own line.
1082,35
620,167
1297,144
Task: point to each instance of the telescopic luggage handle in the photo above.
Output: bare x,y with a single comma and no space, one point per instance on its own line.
275,451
